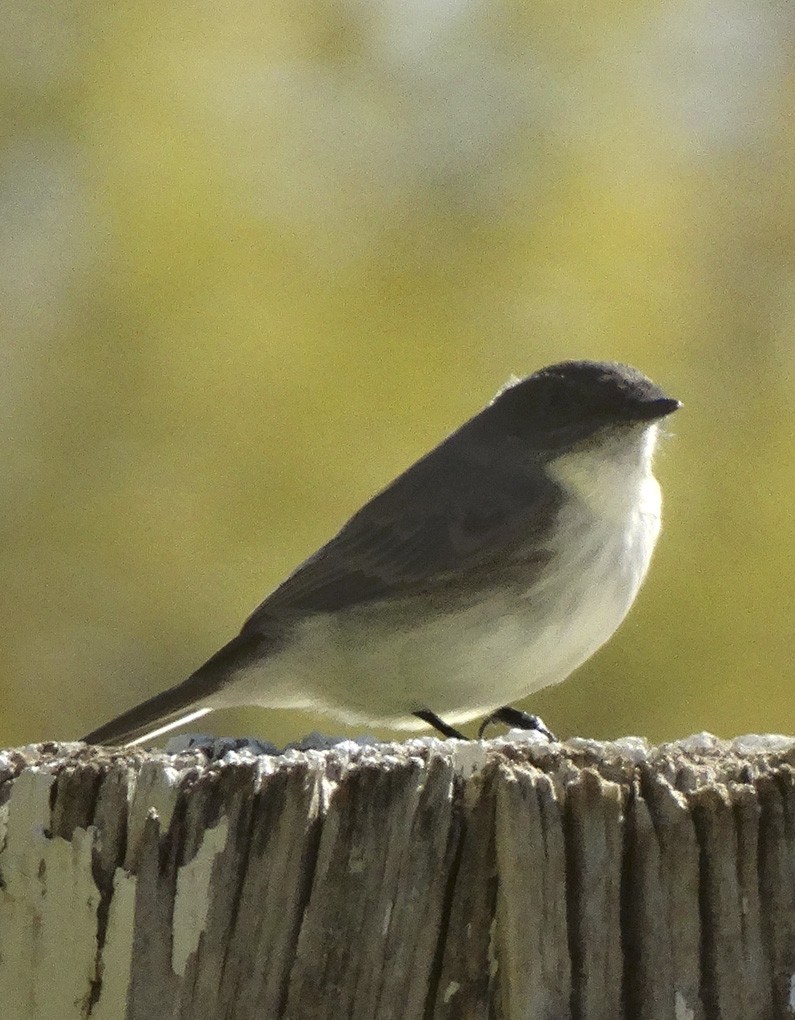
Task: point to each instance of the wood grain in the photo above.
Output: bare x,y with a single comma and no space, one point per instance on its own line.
410,881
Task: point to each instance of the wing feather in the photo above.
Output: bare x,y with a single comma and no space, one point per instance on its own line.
454,512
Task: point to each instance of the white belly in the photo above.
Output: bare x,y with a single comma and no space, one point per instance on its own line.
362,667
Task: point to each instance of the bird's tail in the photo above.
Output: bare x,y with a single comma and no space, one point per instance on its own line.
190,700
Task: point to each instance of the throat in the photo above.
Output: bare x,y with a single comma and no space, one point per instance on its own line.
613,479
606,547
609,525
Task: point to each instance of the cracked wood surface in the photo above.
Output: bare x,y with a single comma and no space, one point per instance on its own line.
408,881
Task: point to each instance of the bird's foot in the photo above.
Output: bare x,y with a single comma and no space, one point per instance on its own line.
439,724
517,719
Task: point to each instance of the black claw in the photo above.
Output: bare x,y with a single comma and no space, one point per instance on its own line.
518,720
439,724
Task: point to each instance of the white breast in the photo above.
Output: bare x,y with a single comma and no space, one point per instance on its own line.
598,574
607,537
364,667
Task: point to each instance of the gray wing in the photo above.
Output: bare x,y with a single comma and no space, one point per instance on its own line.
449,515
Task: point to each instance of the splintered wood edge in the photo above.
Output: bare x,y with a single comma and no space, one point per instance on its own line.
537,877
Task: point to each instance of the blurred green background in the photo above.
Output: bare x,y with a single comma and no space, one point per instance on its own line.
255,259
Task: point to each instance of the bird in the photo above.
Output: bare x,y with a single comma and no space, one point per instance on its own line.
492,567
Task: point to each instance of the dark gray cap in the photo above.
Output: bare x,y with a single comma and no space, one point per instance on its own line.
565,403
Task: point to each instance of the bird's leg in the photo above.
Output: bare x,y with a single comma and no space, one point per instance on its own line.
439,724
518,720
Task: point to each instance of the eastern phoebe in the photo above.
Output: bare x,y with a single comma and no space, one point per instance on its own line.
494,566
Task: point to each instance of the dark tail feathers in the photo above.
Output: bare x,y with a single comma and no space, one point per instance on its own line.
179,702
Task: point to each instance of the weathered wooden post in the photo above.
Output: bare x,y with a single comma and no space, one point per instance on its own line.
400,882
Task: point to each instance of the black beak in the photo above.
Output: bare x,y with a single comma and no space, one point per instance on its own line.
653,409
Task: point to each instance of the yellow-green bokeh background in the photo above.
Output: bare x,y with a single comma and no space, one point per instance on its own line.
256,258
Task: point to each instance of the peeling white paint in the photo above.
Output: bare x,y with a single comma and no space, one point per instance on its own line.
192,899
762,743
467,756
681,1009
156,792
49,904
451,990
116,960
698,743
